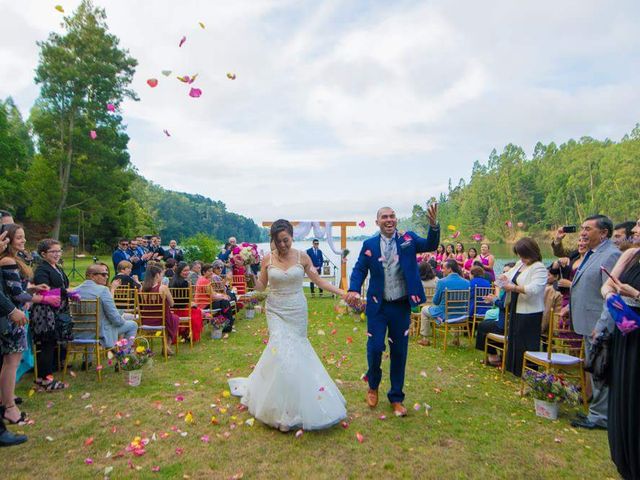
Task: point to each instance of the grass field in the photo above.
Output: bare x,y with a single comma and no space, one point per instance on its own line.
478,427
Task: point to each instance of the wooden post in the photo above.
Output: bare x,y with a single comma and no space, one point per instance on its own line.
343,244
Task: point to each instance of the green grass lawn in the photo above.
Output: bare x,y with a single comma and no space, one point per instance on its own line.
478,427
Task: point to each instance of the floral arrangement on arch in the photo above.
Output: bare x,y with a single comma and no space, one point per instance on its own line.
551,388
130,355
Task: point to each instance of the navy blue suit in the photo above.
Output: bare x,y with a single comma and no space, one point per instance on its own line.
316,259
390,318
118,256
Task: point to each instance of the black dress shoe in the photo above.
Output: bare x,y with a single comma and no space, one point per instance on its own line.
8,439
586,423
581,416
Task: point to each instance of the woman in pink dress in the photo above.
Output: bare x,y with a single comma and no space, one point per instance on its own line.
439,257
460,256
487,261
472,255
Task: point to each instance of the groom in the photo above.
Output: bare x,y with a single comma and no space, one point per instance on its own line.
394,287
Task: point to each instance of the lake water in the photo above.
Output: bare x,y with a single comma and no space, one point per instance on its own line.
502,252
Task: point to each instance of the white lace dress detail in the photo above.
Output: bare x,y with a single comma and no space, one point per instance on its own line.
289,387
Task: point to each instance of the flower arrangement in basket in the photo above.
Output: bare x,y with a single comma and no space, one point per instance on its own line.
132,354
551,388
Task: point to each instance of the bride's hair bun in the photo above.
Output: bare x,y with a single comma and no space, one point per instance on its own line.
281,225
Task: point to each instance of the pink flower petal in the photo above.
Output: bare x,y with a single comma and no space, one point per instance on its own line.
182,40
111,107
93,134
195,92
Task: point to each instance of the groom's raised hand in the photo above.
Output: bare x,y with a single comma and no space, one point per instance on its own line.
432,214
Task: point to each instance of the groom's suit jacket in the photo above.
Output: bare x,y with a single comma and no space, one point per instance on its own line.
370,261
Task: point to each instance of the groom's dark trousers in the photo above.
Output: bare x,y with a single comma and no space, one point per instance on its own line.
393,317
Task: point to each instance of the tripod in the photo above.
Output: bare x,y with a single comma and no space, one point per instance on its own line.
74,271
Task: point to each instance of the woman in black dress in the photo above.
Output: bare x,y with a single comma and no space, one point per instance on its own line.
43,317
624,376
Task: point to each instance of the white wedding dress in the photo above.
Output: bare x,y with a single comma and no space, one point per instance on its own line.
289,387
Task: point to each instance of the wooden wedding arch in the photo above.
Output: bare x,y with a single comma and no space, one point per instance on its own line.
343,244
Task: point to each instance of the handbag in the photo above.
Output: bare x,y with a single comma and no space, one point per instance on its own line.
598,362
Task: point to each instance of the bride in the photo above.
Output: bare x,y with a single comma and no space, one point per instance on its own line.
289,387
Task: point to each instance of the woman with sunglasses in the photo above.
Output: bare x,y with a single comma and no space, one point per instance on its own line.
43,317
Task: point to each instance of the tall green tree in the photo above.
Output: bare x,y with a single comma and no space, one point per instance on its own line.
79,73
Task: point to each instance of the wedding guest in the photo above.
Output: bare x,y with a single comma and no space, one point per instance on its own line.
487,260
13,338
449,252
427,275
121,253
552,300
174,252
195,272
157,252
477,279
440,258
494,321
42,319
112,325
624,371
472,255
181,306
622,233
6,218
123,277
525,282
223,295
459,254
170,270
225,257
586,305
317,259
136,257
233,242
451,280
153,283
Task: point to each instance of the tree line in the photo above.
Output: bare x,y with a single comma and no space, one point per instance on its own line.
512,195
66,169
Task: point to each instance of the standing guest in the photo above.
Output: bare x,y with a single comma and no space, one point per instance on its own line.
121,253
586,306
487,260
449,252
195,272
451,280
224,256
181,305
316,259
112,325
472,255
134,254
622,233
427,275
525,282
440,258
145,255
170,267
174,252
6,218
123,276
157,252
233,242
42,321
477,279
13,338
459,255
494,321
153,283
394,288
624,376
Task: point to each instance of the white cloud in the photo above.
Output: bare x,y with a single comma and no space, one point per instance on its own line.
339,107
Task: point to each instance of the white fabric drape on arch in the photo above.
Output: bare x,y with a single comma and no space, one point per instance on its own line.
302,229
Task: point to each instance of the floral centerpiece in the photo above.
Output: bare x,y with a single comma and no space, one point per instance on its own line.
548,390
130,356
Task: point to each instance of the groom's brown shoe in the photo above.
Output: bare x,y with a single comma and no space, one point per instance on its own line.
372,398
398,409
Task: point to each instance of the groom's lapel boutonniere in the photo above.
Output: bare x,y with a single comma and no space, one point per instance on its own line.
367,253
407,240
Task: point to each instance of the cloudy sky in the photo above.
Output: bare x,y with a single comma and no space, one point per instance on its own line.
340,107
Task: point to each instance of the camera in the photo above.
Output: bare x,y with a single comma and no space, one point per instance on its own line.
570,229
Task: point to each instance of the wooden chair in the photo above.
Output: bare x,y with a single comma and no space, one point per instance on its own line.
456,316
498,342
183,297
125,300
239,282
555,359
152,307
416,317
220,287
86,334
480,306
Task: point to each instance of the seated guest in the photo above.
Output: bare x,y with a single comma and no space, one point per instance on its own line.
121,253
169,272
223,295
451,280
181,306
478,279
427,275
493,321
153,283
196,272
112,325
123,277
174,252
